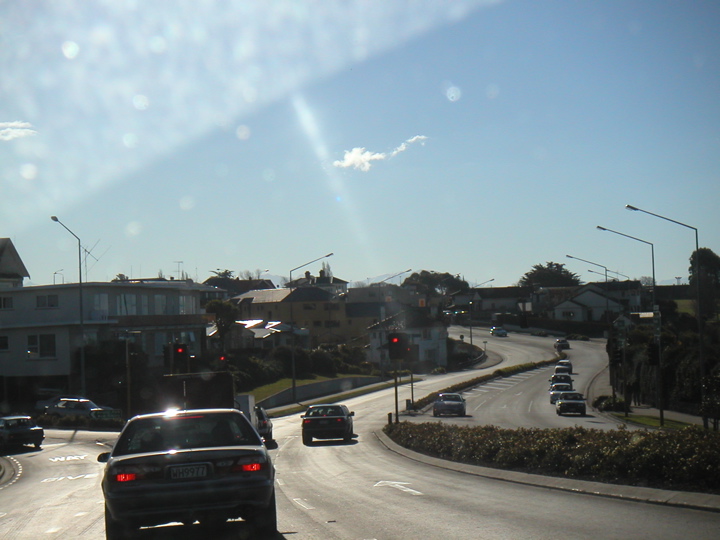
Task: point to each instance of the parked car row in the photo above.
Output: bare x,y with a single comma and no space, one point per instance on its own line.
562,394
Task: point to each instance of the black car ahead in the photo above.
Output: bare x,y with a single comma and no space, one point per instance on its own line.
20,430
208,465
327,421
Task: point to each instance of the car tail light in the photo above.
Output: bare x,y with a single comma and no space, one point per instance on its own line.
132,473
249,464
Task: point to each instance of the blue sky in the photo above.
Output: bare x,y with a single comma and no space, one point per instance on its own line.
500,135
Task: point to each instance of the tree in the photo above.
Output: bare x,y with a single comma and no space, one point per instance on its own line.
709,268
551,274
223,273
435,283
226,313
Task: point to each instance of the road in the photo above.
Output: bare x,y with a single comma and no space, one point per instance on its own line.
360,490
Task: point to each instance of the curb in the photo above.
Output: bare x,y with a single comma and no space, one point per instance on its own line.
697,501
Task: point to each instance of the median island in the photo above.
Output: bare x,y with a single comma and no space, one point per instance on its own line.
686,459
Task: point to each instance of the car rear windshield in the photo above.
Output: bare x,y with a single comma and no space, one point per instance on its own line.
325,411
202,430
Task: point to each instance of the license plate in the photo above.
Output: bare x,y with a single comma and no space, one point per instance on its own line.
189,472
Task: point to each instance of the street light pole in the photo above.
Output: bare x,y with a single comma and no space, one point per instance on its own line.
292,324
655,309
701,353
82,316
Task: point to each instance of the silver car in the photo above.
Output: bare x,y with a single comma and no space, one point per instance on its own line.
448,403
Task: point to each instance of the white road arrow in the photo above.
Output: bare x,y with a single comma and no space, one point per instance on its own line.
402,486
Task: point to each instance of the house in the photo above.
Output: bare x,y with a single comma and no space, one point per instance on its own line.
12,269
596,302
309,307
258,334
428,339
43,327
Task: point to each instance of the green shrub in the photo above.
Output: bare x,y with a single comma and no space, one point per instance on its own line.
687,459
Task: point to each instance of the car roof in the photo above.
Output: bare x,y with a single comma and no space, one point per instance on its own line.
185,412
15,417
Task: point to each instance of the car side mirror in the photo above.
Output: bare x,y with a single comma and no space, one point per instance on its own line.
352,413
104,457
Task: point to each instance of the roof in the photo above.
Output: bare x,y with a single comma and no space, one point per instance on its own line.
11,265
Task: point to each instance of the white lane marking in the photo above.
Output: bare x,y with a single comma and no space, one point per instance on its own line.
68,458
402,486
304,504
77,477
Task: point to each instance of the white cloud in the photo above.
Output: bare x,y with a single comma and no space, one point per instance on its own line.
15,130
361,158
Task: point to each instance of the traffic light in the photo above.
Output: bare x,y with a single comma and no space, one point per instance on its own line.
181,356
398,345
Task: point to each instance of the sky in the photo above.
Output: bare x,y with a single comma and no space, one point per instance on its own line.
473,137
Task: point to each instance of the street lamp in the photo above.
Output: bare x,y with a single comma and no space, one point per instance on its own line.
655,309
484,282
617,274
82,317
292,323
395,275
701,353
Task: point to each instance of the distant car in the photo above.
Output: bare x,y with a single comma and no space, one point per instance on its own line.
561,344
208,465
556,390
264,424
449,403
570,402
20,430
565,362
327,421
43,404
560,378
563,368
498,331
80,407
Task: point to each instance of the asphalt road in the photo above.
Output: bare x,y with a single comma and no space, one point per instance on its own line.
359,490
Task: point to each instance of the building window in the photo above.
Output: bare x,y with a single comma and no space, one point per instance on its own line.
46,301
4,343
127,304
100,302
160,304
41,346
187,305
6,302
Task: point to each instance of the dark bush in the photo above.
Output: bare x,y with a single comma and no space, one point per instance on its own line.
686,459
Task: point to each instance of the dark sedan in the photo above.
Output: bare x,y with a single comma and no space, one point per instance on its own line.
20,430
449,403
208,465
327,421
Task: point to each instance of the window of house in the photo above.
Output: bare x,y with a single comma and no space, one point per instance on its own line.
127,304
332,324
41,346
160,304
332,307
6,302
308,307
4,343
426,334
46,301
144,305
100,302
187,305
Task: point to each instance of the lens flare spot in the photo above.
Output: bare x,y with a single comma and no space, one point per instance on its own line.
453,93
141,102
70,49
28,171
242,133
130,140
187,203
133,228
